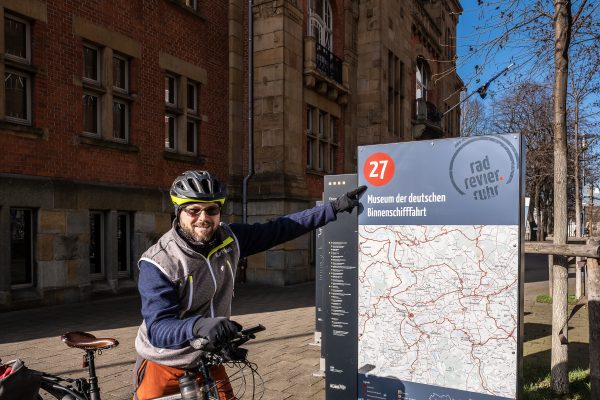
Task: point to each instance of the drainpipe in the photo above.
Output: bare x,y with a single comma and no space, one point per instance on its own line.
243,263
250,115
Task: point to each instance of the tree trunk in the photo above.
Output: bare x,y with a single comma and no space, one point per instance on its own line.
577,173
591,206
593,292
542,226
536,209
562,33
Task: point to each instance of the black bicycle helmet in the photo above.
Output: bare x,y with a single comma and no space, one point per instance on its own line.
197,187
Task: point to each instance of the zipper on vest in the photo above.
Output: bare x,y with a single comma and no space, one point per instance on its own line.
212,308
189,282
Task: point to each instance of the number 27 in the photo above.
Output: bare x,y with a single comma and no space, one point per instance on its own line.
375,165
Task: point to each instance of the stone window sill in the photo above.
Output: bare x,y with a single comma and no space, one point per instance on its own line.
26,131
92,141
189,158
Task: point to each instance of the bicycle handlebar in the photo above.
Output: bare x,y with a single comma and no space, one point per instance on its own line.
241,337
251,331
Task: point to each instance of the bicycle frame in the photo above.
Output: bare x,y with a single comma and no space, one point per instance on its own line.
79,388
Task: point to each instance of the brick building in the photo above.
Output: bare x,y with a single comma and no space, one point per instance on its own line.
334,74
105,102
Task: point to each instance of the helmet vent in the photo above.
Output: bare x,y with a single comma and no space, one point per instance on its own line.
206,186
193,184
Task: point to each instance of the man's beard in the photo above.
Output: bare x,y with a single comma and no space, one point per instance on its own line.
192,234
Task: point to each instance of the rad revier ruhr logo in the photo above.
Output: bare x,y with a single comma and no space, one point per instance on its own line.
481,166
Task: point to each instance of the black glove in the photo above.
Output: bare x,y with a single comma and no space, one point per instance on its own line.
348,201
219,331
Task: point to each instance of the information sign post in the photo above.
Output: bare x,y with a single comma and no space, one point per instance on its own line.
320,285
439,277
340,303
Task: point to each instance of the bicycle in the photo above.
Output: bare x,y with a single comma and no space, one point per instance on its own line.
230,354
78,388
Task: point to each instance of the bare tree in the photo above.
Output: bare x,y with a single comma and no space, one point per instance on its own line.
536,34
473,118
527,109
583,83
563,22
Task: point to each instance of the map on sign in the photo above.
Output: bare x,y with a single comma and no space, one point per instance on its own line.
438,305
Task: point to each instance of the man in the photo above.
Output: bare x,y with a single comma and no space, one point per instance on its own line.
186,279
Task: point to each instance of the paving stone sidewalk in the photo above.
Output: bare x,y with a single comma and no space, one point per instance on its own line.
284,355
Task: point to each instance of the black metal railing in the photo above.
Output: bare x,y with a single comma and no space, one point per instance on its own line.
328,63
426,111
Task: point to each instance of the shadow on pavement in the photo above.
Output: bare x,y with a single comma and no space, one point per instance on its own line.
536,267
120,312
535,331
578,356
251,298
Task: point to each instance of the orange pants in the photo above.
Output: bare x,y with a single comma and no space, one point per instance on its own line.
155,380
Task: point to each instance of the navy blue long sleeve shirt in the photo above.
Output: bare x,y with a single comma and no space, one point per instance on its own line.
160,299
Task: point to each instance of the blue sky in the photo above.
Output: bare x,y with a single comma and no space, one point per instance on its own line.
475,69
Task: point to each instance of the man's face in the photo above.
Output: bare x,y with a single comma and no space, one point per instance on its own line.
196,220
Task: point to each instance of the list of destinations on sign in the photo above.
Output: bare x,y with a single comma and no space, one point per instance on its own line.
340,328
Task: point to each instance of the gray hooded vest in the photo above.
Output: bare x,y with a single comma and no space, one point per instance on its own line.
205,287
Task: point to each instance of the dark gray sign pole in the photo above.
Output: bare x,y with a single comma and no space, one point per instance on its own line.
340,301
320,285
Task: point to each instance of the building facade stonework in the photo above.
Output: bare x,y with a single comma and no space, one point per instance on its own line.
330,75
105,103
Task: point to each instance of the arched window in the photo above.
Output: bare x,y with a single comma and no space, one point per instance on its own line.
320,19
422,79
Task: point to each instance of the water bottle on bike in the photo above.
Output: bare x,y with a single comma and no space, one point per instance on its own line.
189,388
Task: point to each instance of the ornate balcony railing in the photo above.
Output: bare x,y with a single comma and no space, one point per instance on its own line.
328,63
426,112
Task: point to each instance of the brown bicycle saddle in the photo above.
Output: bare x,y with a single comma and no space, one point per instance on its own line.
87,341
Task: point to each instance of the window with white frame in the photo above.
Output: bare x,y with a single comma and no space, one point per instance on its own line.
92,90
321,140
170,132
98,91
422,79
21,247
120,78
182,115
320,19
170,117
193,118
17,75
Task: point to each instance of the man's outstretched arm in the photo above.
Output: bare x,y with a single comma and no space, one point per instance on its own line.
260,237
